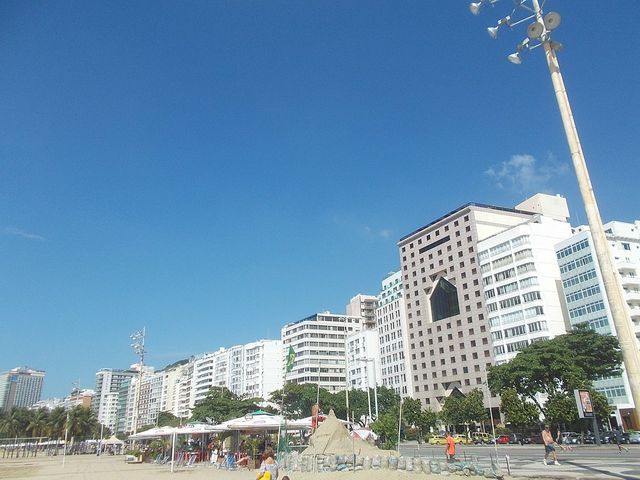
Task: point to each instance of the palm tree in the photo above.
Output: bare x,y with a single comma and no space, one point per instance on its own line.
81,422
56,423
38,423
14,423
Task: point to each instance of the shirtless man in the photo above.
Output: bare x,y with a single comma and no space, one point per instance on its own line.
548,441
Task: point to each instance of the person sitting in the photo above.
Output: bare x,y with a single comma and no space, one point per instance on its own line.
243,459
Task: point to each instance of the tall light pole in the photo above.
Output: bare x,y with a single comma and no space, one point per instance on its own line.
375,382
539,34
138,348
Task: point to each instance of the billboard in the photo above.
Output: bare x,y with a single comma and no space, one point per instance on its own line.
584,403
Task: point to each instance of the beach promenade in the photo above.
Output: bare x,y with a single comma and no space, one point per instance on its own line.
90,467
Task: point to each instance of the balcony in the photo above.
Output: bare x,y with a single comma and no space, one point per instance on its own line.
632,297
629,281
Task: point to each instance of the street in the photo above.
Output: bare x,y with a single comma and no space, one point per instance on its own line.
526,460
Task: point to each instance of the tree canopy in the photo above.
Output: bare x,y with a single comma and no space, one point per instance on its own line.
221,404
555,368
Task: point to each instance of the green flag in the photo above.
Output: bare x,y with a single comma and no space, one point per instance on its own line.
291,358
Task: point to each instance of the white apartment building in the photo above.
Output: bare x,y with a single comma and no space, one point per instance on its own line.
253,369
172,375
363,360
363,306
150,398
106,403
587,300
391,319
262,371
319,344
521,283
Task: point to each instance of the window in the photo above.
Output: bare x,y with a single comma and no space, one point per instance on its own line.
444,300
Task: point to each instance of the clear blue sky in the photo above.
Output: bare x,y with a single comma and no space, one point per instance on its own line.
213,170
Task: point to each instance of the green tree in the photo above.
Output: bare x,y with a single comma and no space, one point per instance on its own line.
81,422
417,417
38,423
451,412
386,427
473,409
15,423
167,419
518,411
221,404
296,399
57,422
558,366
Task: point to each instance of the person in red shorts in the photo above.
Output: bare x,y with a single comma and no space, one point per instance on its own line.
450,450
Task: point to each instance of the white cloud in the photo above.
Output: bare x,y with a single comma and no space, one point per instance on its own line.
17,232
524,174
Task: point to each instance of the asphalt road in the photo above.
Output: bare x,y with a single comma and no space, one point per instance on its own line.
525,460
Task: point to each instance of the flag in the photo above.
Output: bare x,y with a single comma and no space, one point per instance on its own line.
291,358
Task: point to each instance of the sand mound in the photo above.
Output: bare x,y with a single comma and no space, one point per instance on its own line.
332,438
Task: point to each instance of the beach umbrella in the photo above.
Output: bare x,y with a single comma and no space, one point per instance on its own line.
255,422
153,433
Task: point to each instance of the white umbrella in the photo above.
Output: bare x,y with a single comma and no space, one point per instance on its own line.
199,428
153,432
256,422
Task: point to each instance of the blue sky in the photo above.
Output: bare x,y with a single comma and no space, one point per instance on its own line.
213,170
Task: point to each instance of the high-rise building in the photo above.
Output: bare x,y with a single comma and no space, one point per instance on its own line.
107,403
587,300
253,369
363,306
173,375
449,339
391,319
20,387
319,344
521,281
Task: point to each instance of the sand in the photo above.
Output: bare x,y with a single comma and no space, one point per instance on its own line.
90,467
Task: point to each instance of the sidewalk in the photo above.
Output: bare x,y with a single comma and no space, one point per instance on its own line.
576,469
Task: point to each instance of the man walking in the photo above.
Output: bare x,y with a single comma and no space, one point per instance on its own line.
450,449
549,448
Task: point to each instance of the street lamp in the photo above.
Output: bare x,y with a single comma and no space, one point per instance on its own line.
375,384
138,348
539,34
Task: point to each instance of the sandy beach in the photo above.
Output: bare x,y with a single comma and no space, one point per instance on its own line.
90,467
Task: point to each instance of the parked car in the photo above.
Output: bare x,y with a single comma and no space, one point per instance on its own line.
571,438
634,437
461,438
502,439
481,437
437,440
520,438
536,438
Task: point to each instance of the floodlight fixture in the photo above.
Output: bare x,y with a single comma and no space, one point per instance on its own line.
515,58
493,31
474,7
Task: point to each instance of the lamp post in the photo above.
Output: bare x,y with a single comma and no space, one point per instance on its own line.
138,348
375,383
539,34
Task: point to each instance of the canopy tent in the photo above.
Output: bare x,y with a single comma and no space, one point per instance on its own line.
258,421
112,441
363,434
